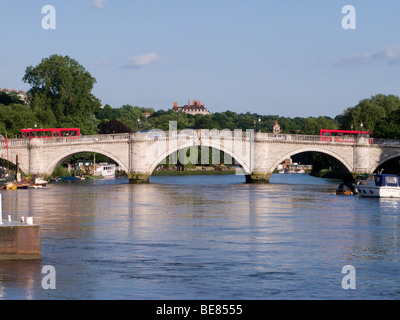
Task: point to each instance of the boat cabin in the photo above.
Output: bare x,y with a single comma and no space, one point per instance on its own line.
387,180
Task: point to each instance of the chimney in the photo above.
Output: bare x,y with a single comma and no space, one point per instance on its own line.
189,103
175,104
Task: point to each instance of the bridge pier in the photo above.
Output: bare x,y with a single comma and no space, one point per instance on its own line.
258,177
139,153
353,175
137,177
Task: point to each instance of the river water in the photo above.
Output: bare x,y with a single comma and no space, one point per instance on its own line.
205,237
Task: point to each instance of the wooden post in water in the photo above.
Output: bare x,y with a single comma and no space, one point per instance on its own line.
1,211
17,170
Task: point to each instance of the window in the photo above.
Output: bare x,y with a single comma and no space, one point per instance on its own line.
392,181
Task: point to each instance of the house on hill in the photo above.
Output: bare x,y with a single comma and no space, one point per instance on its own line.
276,128
191,108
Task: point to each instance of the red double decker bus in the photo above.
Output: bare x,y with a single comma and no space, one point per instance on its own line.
349,136
69,133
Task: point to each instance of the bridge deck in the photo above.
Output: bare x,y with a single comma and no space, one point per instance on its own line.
201,134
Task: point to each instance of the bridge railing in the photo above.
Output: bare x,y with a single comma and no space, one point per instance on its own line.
389,142
99,137
203,133
12,143
299,138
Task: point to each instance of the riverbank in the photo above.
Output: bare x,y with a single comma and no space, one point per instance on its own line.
328,174
192,172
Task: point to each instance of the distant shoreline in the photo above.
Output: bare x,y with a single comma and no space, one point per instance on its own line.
192,172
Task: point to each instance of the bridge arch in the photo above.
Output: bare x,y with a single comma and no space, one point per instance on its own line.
190,143
21,166
55,162
334,155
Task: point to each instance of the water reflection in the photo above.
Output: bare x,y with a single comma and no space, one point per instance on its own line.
19,279
389,205
203,238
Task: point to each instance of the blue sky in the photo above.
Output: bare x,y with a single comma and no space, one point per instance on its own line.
285,57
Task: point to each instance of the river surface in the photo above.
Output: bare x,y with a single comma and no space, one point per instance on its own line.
205,237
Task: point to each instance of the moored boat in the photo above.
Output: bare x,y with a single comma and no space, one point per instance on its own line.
70,178
346,189
380,186
4,180
11,186
106,170
39,182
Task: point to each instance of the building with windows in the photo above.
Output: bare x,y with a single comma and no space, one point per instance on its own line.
19,93
191,108
276,128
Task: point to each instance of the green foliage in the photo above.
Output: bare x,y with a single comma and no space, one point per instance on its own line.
374,113
61,93
113,126
313,126
11,98
14,117
60,96
60,171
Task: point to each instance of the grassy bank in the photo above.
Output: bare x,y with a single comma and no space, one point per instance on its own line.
330,174
192,172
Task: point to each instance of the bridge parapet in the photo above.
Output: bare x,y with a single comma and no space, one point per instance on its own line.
13,143
257,153
204,133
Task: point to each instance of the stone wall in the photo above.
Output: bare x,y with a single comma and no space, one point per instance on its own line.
20,242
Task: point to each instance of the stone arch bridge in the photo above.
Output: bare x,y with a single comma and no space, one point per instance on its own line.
257,153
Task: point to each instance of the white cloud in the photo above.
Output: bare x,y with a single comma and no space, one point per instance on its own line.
142,60
98,63
391,55
98,4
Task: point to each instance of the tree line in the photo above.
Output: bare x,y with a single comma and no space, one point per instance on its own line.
60,95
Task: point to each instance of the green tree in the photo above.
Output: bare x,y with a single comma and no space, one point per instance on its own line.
15,117
310,126
369,112
389,127
313,125
113,126
104,113
61,85
9,98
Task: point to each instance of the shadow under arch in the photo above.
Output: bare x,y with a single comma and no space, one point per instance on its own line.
344,166
52,166
14,164
388,161
189,145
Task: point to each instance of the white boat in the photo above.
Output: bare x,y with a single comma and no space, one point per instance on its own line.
106,170
38,183
380,186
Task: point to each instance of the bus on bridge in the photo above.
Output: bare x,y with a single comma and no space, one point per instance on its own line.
349,136
50,133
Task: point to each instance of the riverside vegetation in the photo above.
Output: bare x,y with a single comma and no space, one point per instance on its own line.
60,95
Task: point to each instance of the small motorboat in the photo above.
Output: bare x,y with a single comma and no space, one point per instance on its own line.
346,188
39,182
379,186
11,186
23,185
4,180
